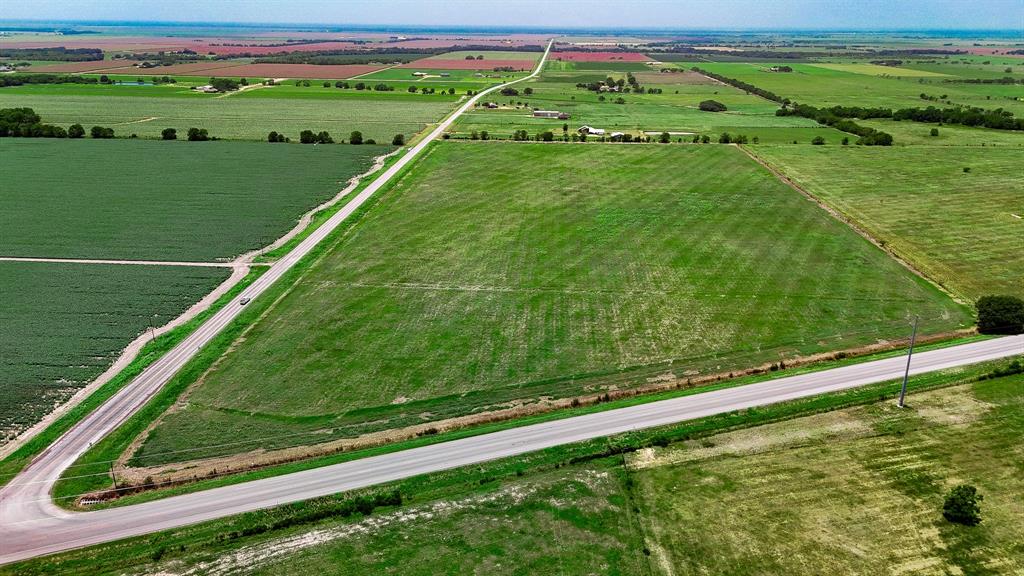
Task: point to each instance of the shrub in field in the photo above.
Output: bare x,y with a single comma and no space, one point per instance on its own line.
101,132
76,131
725,138
275,136
712,106
169,134
547,136
484,135
198,135
324,138
818,141
307,137
961,505
356,137
934,132
398,140
1000,315
665,138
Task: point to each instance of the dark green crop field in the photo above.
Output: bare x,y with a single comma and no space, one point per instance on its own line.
963,229
155,200
61,325
501,272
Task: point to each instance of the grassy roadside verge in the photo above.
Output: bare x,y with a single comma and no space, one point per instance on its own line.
72,487
149,353
221,536
90,471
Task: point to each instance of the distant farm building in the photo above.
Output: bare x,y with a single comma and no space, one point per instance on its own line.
206,88
419,73
550,114
590,131
491,104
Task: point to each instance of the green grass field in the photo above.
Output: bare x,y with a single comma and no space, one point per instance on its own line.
959,228
674,110
246,116
156,200
475,283
858,491
820,86
61,325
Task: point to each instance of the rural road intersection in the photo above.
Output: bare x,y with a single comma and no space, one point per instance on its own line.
32,525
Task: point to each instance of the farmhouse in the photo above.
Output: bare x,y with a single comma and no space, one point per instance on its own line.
419,73
590,131
491,105
206,88
550,114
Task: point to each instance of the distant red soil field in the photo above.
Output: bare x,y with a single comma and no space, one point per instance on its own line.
485,64
296,71
600,56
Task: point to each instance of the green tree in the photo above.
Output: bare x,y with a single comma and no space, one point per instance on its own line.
1001,314
665,138
169,134
307,137
398,140
724,138
712,106
962,505
76,131
484,135
356,137
818,141
528,91
198,135
934,132
547,136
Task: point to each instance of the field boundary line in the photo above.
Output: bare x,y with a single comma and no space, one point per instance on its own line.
232,264
851,223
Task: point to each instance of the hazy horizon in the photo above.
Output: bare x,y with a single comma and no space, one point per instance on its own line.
683,15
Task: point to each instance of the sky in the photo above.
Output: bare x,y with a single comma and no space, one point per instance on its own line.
664,14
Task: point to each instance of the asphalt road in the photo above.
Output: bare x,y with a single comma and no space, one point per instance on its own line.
26,497
32,528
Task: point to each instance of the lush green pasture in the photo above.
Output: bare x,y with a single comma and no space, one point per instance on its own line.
435,76
908,133
858,491
317,91
61,325
156,200
245,116
820,86
476,282
958,228
674,110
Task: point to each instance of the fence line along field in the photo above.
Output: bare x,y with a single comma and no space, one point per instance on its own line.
162,200
954,212
499,273
61,325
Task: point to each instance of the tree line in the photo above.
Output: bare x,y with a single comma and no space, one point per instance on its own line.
324,137
59,53
826,116
20,79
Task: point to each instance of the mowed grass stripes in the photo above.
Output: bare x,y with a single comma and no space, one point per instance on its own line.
963,228
504,271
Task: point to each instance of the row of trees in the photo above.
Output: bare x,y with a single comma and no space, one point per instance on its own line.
59,53
324,137
746,87
826,116
998,119
20,79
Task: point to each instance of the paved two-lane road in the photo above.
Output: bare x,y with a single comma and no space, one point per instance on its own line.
39,528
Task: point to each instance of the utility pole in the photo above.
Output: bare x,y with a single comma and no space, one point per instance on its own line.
113,476
906,373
